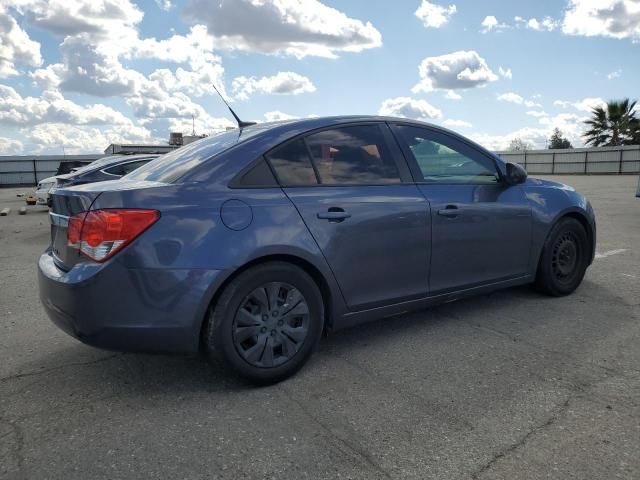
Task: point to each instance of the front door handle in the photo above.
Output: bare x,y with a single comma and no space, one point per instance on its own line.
334,214
450,211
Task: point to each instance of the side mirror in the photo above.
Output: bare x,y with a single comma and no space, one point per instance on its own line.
516,174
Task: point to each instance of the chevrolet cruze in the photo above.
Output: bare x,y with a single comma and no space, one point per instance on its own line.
248,244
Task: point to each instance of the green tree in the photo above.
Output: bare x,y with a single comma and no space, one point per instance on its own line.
557,141
613,125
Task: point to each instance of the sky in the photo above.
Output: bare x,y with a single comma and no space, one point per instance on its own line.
77,75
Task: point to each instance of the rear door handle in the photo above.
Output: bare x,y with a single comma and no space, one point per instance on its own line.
450,211
334,214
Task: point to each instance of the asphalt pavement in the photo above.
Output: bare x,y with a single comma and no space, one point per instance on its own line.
511,385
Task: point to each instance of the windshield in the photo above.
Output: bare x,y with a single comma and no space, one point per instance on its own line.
174,165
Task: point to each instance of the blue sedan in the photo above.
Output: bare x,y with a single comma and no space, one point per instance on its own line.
250,243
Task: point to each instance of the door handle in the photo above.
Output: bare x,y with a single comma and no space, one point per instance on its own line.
334,214
450,211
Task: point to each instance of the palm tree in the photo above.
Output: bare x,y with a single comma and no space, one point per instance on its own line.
613,125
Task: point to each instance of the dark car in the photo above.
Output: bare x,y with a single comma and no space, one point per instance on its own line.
248,244
106,168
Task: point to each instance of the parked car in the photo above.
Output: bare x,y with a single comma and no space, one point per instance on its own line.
248,244
106,168
42,190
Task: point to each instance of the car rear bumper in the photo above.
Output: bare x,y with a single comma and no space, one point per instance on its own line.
112,307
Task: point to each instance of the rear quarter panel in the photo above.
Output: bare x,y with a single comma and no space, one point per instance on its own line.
192,235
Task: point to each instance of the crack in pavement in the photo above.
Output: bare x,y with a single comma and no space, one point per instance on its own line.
351,449
59,367
18,449
513,447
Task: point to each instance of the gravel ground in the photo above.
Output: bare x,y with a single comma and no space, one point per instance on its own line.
509,385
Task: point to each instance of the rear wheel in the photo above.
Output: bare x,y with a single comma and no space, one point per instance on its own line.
564,258
267,322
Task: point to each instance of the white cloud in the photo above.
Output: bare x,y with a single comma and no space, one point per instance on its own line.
10,146
584,105
53,107
614,74
536,113
15,46
570,125
546,24
110,21
433,15
517,99
282,83
491,23
295,27
75,139
276,115
607,18
457,70
457,123
409,108
453,95
164,5
505,73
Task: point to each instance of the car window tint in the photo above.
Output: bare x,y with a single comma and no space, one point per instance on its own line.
259,175
292,164
353,155
444,164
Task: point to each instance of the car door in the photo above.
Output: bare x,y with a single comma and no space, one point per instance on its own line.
354,192
481,227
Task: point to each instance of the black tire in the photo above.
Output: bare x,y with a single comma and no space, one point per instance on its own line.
240,313
564,258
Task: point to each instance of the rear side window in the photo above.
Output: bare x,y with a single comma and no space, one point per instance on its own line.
292,164
258,175
353,155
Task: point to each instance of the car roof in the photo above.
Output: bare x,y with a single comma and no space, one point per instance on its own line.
106,162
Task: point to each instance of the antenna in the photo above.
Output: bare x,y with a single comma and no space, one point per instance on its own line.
193,123
241,124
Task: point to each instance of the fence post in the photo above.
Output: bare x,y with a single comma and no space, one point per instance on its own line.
35,173
586,161
553,163
525,159
620,161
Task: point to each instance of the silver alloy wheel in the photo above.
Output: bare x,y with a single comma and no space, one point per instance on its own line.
271,325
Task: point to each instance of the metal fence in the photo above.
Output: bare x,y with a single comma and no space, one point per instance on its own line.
29,170
584,161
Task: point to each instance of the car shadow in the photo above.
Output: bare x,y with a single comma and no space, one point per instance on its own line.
158,374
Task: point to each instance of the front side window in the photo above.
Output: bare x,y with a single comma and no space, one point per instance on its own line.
352,155
440,163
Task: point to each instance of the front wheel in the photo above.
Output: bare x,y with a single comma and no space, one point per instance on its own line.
267,322
564,258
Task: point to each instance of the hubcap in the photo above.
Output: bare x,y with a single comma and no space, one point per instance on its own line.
271,324
565,257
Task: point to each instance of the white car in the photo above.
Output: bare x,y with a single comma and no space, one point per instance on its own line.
43,189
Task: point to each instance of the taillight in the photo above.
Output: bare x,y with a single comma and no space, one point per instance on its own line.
100,234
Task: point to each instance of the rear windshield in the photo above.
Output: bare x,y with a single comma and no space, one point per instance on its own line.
174,165
97,164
